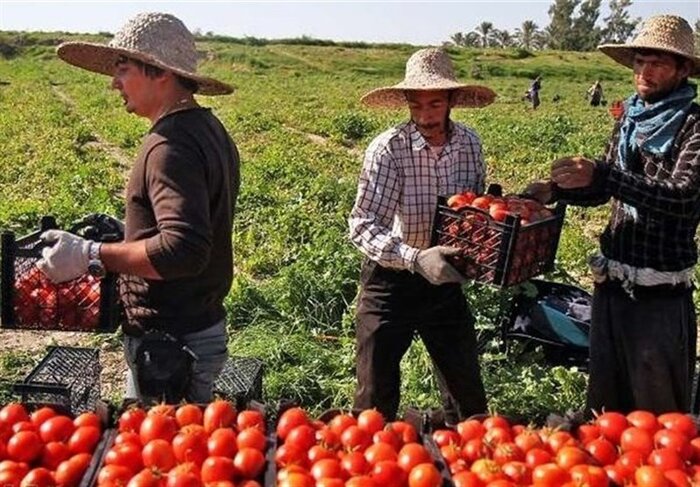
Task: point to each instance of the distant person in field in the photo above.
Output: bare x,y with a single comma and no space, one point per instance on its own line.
407,287
643,335
595,94
533,92
176,262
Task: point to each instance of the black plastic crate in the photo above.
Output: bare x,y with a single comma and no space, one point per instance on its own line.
241,380
67,376
31,301
499,253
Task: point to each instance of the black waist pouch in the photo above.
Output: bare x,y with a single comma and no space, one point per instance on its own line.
164,366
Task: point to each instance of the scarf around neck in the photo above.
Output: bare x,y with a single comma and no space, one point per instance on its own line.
652,128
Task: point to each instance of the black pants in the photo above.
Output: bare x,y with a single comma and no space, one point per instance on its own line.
642,350
395,305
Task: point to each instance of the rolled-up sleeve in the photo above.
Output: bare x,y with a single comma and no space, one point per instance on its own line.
177,189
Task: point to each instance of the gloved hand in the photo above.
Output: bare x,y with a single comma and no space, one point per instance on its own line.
67,258
431,264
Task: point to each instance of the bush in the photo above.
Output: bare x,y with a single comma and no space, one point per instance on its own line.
353,125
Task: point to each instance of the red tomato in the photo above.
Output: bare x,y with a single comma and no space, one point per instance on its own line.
679,422
188,414
612,425
340,422
40,415
370,420
497,435
507,452
647,476
570,456
487,470
131,419
222,443
470,429
665,459
677,478
84,439
617,474
537,456
675,440
288,454
53,454
560,439
127,437
114,475
354,463
630,460
88,419
424,475
157,427
643,419
24,446
637,439
254,438
250,418
379,452
249,462
303,436
466,479
589,475
549,475
158,454
603,451
355,439
219,414
145,478
518,472
587,433
406,431
191,445
217,468
475,449
392,438
40,477
446,437
127,455
13,413
290,419
326,468
412,454
71,471
527,440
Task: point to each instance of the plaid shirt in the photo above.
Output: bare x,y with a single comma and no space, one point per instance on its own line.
399,186
666,193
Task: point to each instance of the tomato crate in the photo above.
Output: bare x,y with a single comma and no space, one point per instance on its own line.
241,380
29,300
498,253
68,377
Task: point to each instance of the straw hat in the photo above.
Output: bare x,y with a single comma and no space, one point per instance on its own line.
429,70
158,39
668,33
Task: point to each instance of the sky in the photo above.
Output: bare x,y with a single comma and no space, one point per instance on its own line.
412,22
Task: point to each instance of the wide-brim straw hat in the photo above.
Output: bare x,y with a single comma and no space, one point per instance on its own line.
429,70
667,33
154,38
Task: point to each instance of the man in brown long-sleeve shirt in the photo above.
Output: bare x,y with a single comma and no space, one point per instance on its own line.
176,261
643,333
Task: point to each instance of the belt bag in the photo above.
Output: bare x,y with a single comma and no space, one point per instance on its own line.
164,366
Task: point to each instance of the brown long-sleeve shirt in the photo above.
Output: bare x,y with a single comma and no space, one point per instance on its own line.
180,199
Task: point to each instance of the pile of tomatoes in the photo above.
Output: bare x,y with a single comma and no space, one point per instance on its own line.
638,449
351,451
72,305
498,208
43,448
186,446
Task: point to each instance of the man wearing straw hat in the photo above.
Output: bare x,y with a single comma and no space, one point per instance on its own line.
643,335
176,260
407,286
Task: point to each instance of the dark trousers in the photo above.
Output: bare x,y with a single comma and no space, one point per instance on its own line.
393,306
642,351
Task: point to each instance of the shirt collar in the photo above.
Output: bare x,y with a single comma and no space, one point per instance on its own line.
419,143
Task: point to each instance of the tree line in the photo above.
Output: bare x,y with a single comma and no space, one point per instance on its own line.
573,26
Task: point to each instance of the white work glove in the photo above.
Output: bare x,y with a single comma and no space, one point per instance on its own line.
432,265
67,258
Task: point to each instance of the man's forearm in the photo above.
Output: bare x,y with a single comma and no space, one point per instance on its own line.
128,258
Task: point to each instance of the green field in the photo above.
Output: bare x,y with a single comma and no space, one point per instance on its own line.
66,145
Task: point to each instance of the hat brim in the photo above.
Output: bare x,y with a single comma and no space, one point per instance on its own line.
624,54
467,96
100,58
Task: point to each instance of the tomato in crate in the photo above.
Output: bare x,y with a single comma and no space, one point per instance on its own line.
504,240
31,301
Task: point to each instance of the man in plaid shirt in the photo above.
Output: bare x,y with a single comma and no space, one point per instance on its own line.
407,286
643,334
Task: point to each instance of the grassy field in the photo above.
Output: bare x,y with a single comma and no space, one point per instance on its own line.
67,143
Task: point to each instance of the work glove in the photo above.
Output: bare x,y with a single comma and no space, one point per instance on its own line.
432,265
67,258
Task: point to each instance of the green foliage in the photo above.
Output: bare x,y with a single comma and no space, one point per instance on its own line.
67,145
